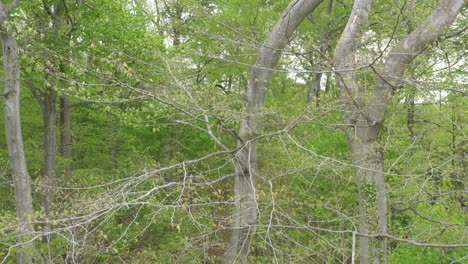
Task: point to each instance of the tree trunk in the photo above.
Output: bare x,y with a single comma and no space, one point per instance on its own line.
314,88
364,116
372,196
21,179
245,211
60,17
66,136
50,146
362,137
48,101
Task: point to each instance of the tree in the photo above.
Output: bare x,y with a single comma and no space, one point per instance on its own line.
56,27
364,113
182,156
245,215
22,181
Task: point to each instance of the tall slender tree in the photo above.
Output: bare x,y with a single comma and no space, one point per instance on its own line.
245,213
14,137
57,27
364,113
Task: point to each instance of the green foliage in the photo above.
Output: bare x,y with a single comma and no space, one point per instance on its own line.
150,113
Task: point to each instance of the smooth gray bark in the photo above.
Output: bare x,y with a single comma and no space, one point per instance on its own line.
366,156
21,179
364,116
245,212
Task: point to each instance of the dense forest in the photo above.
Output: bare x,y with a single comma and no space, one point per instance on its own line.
211,131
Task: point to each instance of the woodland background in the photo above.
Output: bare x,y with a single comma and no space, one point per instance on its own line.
135,119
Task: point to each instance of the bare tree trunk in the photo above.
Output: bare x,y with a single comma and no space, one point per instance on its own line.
314,88
48,101
245,212
362,138
49,112
370,177
66,143
58,13
21,179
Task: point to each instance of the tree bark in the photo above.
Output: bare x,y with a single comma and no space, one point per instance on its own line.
364,116
21,179
48,100
49,112
66,143
245,211
314,88
368,160
361,136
